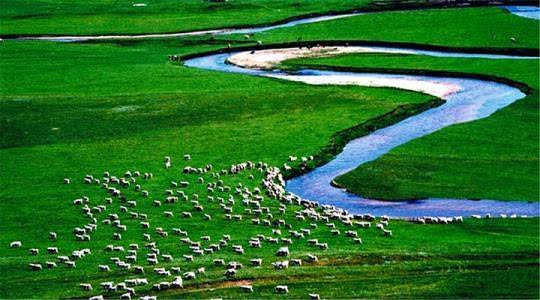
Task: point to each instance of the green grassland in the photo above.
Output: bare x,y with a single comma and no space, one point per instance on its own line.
459,27
108,16
494,158
75,109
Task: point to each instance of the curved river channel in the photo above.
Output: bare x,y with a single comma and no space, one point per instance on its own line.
466,100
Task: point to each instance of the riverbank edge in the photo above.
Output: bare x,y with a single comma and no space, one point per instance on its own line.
530,52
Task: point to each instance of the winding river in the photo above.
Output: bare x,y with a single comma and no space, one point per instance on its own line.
466,100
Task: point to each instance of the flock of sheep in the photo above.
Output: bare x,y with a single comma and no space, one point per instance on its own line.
265,206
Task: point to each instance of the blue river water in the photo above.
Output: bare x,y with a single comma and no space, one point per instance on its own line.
530,12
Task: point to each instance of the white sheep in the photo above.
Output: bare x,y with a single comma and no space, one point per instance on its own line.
86,286
15,244
104,268
189,275
247,288
126,296
283,251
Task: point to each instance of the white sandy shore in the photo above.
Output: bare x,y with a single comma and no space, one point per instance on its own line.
267,59
437,89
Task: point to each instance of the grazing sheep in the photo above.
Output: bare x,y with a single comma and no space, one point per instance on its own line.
312,258
177,283
286,241
15,244
50,264
313,242
281,264
130,290
255,244
104,268
35,267
189,275
230,273
283,251
351,233
256,262
70,264
34,251
314,297
247,288
86,286
126,296
281,289
188,257
167,257
323,246
234,265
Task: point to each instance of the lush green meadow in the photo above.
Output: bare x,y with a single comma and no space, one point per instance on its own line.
70,109
490,27
109,16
